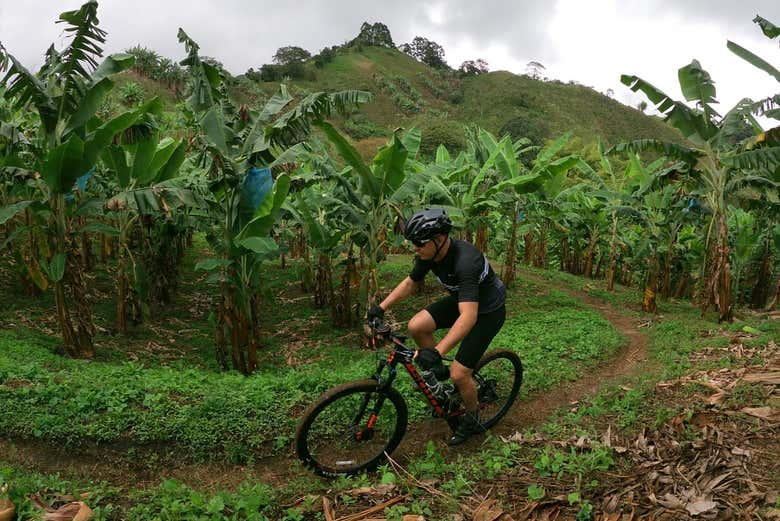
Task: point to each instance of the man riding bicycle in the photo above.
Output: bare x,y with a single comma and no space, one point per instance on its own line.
474,311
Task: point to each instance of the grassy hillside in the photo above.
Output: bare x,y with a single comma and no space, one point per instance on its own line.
491,100
408,93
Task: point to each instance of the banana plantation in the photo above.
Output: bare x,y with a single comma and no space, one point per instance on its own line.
693,220
88,187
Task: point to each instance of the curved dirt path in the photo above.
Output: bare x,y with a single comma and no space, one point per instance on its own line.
537,407
114,465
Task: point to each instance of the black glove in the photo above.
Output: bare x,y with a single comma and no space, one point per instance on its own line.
375,312
428,358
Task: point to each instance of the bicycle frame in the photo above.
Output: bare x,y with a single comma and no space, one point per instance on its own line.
404,355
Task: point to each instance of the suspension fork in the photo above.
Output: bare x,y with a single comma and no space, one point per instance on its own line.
367,432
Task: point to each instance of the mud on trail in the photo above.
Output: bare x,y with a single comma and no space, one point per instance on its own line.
142,467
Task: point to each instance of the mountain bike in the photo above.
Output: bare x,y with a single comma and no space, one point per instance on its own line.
352,427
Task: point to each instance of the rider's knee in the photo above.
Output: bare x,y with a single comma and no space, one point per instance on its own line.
419,325
459,373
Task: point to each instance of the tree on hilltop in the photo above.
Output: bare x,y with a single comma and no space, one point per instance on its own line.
473,67
534,69
376,34
291,54
426,51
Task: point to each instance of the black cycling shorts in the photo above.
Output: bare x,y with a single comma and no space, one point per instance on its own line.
445,312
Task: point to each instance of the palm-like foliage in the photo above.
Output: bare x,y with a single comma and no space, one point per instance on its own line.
375,193
242,147
66,93
718,159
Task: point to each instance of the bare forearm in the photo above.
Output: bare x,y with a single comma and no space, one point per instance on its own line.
401,291
457,332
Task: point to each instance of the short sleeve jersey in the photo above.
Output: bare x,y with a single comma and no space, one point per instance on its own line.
466,273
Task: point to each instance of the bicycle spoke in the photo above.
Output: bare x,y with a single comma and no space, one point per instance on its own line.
352,430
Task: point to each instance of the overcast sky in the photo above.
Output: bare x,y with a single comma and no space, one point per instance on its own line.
589,41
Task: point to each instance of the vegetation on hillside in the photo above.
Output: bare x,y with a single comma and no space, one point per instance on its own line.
263,219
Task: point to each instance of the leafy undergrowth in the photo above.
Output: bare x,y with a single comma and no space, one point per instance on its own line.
695,438
692,436
181,405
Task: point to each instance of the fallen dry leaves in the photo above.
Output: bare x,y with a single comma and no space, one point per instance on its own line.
70,511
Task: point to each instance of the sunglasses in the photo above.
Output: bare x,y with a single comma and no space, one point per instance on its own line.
420,243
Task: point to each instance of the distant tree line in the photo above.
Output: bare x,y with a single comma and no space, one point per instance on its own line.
151,65
290,61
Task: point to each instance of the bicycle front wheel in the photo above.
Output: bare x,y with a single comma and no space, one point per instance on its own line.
350,428
499,375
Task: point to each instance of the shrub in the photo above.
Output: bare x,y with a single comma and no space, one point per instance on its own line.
529,126
359,127
437,132
131,94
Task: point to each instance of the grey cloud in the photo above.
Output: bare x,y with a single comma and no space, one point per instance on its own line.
243,33
733,16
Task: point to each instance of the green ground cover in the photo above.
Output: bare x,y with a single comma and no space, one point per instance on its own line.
541,316
188,406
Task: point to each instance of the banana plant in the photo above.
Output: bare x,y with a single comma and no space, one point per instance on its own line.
66,93
141,167
770,106
656,207
515,180
375,194
620,190
317,210
742,226
241,147
718,158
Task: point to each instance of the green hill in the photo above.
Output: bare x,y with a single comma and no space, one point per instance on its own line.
409,93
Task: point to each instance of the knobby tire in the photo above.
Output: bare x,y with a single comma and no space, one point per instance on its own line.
328,426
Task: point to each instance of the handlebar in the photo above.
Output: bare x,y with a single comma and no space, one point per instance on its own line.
383,329
379,327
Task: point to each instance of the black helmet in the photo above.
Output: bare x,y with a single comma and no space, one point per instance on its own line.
427,224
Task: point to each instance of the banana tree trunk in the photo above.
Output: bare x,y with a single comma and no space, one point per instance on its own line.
105,248
240,324
666,277
564,248
508,275
350,281
774,298
528,240
589,253
649,303
625,275
599,264
612,256
323,282
121,298
86,252
541,248
717,282
760,291
482,238
682,285
73,312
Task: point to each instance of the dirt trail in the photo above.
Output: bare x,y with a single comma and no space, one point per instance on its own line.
626,362
115,466
537,407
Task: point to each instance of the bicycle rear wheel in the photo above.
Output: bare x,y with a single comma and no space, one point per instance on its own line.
499,375
350,427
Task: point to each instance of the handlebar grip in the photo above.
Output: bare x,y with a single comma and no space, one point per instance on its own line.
377,325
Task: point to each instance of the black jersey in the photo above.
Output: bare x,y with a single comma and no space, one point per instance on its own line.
467,274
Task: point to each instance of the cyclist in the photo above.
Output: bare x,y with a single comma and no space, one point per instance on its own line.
474,310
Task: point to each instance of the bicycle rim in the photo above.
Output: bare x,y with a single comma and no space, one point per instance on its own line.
334,437
499,375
